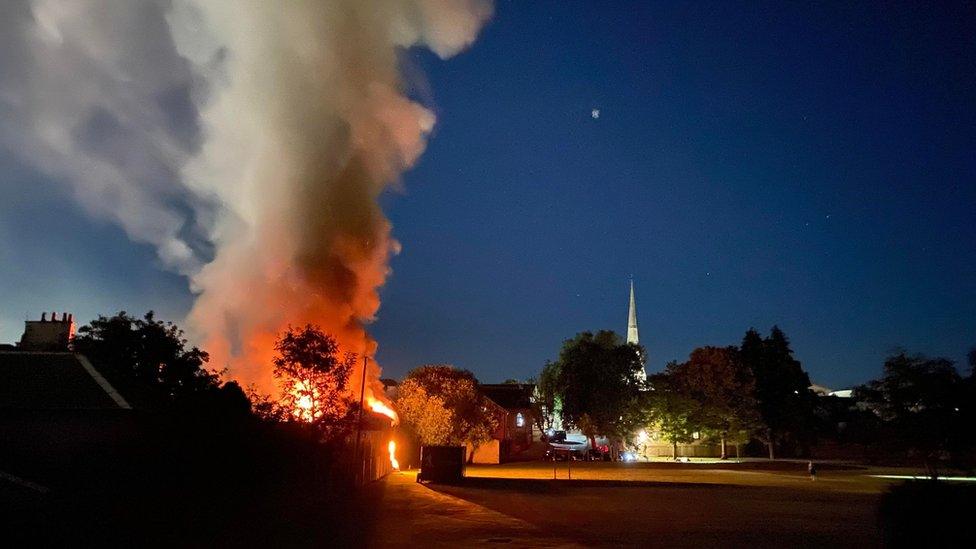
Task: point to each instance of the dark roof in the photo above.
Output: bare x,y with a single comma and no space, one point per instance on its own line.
49,381
511,396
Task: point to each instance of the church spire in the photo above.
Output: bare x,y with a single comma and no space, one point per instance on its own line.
632,336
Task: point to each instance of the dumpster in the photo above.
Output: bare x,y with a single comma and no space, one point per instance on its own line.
442,464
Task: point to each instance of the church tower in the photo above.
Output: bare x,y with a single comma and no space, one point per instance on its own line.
632,336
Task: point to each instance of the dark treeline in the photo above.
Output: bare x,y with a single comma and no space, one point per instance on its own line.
757,394
920,410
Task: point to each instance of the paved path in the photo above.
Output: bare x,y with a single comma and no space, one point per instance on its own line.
408,514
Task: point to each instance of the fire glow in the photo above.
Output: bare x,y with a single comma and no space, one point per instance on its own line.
305,409
381,408
393,460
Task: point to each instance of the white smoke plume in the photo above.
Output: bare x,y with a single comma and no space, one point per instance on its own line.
95,95
247,140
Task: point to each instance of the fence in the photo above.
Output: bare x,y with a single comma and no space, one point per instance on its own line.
371,461
688,450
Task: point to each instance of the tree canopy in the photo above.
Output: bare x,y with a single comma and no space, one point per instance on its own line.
596,380
148,359
782,389
312,376
671,413
722,387
546,396
921,403
443,406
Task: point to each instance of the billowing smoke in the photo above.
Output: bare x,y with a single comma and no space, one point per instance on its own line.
247,140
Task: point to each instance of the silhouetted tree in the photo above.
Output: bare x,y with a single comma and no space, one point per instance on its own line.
786,404
312,376
919,400
147,358
597,377
967,406
443,406
722,386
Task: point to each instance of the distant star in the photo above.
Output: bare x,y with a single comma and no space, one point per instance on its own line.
595,113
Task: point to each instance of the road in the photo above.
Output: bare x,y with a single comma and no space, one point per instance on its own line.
403,513
616,504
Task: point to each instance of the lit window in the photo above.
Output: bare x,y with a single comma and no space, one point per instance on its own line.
696,435
519,420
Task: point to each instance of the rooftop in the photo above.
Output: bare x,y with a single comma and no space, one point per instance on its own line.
53,381
509,395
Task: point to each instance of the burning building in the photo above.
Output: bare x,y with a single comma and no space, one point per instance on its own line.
374,449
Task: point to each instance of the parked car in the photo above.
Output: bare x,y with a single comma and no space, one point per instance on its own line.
600,453
554,436
565,450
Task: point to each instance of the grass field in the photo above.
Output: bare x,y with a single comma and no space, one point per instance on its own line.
752,504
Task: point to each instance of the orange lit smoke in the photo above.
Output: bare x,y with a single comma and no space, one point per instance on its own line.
306,125
245,315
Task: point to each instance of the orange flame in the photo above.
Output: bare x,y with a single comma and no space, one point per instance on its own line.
303,408
393,459
381,408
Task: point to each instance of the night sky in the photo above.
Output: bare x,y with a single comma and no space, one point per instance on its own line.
812,167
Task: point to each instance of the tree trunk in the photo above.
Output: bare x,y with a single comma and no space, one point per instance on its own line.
674,451
724,452
769,437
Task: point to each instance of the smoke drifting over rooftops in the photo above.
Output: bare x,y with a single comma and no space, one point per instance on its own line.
248,141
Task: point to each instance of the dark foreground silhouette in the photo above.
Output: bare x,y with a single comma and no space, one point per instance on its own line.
180,485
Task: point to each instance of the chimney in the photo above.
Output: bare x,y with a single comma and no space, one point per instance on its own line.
48,335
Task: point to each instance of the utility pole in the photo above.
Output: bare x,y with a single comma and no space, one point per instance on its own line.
359,421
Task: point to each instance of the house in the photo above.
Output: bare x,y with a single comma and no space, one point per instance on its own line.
56,408
512,403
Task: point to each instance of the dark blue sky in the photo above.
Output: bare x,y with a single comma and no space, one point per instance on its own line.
807,166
